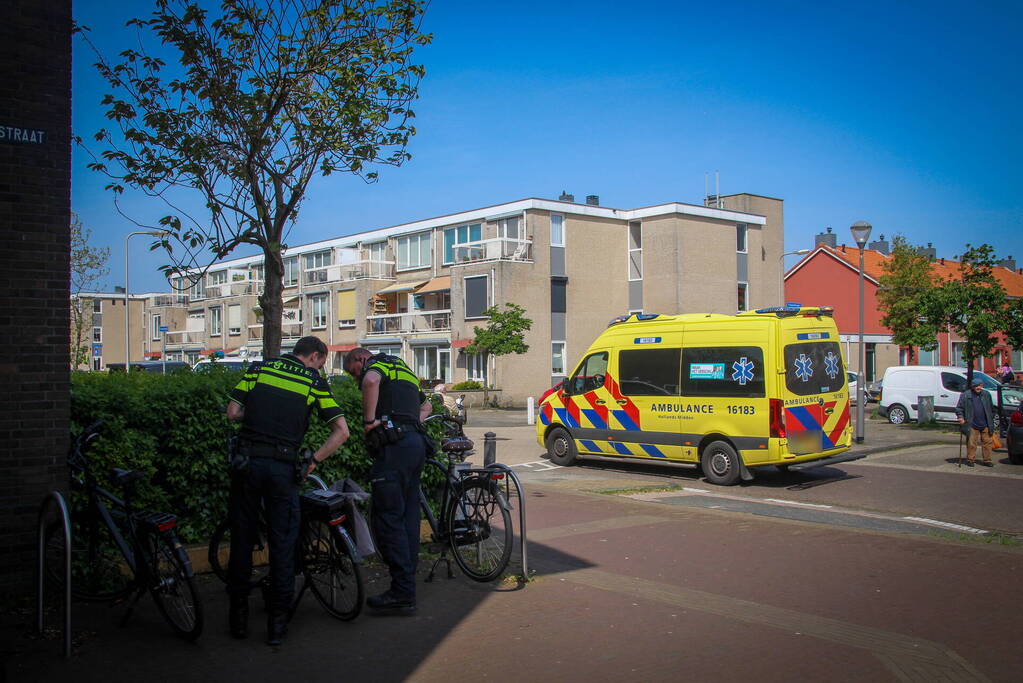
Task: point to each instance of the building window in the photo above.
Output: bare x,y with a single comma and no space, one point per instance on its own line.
197,290
456,237
291,271
97,363
425,363
97,335
215,322
414,251
319,310
635,251
156,327
476,367
559,295
740,238
234,319
558,358
508,228
926,357
475,292
317,263
218,278
97,305
557,230
258,272
346,308
742,304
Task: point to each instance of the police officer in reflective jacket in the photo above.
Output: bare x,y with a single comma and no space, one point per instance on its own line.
273,402
393,409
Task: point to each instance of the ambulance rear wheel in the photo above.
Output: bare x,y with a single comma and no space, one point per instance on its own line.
561,448
720,464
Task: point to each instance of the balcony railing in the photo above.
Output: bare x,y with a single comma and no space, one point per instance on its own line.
345,272
237,288
169,300
181,337
289,331
397,323
495,249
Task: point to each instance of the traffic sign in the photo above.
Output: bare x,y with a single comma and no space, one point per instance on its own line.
164,328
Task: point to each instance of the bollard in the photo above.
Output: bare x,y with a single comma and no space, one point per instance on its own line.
489,449
530,411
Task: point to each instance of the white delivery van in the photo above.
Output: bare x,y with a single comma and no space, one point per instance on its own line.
904,384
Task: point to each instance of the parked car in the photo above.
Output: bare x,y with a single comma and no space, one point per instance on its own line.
904,384
207,365
1014,438
853,381
157,366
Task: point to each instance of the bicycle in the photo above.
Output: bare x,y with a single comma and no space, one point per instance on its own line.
475,518
326,555
118,551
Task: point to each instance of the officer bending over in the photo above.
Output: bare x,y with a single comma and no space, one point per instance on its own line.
273,402
393,408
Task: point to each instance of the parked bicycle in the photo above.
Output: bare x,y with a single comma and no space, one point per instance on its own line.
475,518
326,556
119,552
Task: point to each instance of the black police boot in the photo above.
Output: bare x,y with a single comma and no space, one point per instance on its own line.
388,603
276,627
238,616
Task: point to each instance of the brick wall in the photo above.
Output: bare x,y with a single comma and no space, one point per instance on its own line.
35,202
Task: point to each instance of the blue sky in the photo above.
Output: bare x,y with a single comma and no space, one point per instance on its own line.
898,113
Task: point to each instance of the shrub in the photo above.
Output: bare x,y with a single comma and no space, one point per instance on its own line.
468,385
173,428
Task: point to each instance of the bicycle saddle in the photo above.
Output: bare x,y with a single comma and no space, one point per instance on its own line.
126,477
457,444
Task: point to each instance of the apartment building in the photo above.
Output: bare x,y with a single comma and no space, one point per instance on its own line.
103,321
417,290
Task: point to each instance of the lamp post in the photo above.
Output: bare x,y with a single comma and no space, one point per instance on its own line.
861,233
127,289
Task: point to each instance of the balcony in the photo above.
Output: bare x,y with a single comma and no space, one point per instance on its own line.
494,249
364,269
176,338
236,288
289,332
164,300
398,323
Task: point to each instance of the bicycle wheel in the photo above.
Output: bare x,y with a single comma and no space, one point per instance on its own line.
173,587
479,530
330,570
219,553
98,570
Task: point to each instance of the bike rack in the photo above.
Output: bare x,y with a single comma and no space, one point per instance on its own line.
489,458
57,499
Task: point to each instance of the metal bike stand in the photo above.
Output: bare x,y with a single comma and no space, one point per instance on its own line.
489,457
56,498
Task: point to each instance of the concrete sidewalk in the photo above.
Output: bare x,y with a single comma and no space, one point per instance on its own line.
623,590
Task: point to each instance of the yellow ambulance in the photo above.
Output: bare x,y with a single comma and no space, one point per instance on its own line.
726,393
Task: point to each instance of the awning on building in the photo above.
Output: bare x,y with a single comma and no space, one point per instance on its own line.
460,343
341,347
402,287
437,284
152,354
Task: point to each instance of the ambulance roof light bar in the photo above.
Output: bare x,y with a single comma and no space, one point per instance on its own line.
640,317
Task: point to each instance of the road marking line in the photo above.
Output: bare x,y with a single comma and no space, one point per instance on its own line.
794,502
541,464
686,488
948,525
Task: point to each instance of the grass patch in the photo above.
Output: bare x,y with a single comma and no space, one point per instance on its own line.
997,538
637,489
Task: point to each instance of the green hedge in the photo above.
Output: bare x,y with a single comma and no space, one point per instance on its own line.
173,428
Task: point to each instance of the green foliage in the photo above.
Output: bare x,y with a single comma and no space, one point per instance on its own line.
504,333
467,385
903,288
265,95
973,306
173,428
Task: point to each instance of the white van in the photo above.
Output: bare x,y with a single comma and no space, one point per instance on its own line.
904,384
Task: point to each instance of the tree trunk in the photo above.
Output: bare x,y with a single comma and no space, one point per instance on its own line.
271,302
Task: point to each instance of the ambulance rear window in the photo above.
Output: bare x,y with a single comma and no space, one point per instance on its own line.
814,368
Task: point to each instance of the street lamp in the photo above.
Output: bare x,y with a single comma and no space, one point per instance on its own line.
861,233
127,289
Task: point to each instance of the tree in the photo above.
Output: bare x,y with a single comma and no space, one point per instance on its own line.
269,94
88,267
973,306
905,284
504,333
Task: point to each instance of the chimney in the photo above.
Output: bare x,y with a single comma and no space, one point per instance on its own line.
1009,263
593,200
881,246
118,289
566,197
942,260
828,238
929,251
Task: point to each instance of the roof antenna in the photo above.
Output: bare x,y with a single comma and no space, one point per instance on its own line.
717,187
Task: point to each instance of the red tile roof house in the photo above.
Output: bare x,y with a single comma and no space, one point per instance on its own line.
829,275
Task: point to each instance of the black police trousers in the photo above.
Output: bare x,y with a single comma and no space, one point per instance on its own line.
395,480
267,485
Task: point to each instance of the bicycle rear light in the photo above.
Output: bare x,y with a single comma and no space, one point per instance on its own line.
339,520
497,476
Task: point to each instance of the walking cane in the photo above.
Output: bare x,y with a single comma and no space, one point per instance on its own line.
960,449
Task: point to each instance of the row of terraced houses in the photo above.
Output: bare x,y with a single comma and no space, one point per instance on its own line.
417,290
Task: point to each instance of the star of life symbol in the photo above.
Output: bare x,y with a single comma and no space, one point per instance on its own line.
831,364
742,371
804,367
